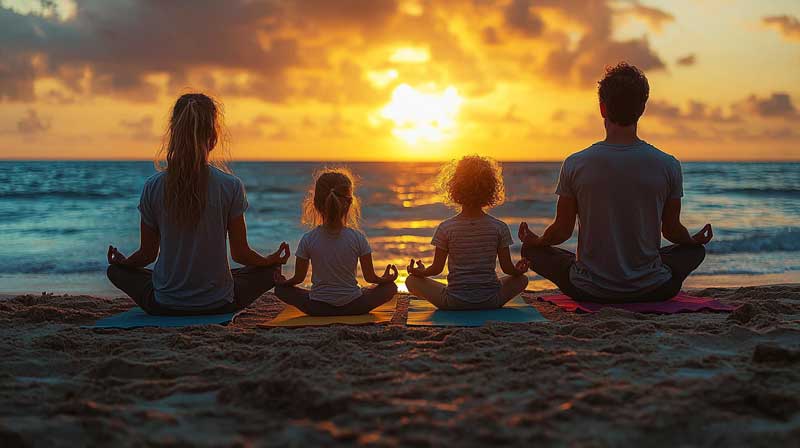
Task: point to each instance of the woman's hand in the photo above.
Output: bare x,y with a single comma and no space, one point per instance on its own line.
115,256
418,269
704,236
389,275
280,256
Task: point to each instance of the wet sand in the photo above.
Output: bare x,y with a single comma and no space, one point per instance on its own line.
609,379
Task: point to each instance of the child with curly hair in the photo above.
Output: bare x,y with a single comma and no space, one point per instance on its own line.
334,247
471,242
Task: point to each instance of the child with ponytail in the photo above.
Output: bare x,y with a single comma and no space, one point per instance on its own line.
334,247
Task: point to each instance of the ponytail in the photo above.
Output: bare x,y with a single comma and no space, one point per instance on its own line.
331,200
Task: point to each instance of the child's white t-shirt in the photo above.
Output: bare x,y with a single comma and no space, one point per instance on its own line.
334,260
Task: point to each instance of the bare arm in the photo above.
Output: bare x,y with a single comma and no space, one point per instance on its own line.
557,232
147,253
675,232
244,255
389,275
508,266
419,269
300,272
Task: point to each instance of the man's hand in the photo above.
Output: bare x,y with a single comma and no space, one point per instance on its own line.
389,275
704,235
522,266
418,269
115,256
280,256
525,234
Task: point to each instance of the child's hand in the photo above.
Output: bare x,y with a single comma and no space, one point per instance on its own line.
418,270
522,266
525,234
279,278
390,275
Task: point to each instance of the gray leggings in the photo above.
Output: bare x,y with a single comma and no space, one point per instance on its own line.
249,283
554,264
368,301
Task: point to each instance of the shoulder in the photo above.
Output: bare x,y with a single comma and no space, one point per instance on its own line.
224,178
355,233
449,222
155,181
580,156
664,157
497,223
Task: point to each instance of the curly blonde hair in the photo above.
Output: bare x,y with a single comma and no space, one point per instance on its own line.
332,199
472,181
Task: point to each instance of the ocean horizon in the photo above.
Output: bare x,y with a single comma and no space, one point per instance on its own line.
58,217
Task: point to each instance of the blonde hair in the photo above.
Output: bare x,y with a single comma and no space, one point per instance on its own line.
332,199
472,181
194,130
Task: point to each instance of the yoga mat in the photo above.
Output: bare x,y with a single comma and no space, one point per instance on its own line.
682,303
137,318
423,313
292,317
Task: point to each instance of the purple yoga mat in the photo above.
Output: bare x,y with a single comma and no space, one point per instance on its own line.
682,303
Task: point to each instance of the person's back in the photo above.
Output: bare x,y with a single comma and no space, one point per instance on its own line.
192,270
626,194
621,190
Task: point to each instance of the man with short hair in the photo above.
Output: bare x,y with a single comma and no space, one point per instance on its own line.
626,194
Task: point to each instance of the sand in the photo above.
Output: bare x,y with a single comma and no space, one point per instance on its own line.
609,379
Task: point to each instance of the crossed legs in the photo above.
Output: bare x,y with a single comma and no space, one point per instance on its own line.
436,293
370,299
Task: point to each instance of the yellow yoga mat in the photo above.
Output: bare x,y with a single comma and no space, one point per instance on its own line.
292,317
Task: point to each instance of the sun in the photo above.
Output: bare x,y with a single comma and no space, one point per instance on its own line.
423,115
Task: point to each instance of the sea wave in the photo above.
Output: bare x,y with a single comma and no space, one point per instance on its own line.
787,240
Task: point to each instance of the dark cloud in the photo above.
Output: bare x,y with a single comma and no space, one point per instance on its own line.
687,60
778,104
518,17
788,26
32,124
695,111
281,50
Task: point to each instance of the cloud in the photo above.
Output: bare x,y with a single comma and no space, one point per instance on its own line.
518,16
654,16
687,60
141,129
696,111
788,26
32,124
778,104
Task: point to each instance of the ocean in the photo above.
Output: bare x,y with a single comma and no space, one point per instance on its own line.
58,218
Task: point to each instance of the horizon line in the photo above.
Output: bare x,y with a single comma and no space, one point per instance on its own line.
12,159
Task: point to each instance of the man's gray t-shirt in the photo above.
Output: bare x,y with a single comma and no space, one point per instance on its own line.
621,191
472,245
334,260
192,270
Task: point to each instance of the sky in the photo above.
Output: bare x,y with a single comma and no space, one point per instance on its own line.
397,79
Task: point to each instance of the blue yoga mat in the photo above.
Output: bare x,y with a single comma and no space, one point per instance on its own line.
137,318
423,313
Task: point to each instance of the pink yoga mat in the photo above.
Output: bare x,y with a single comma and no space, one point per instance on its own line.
682,303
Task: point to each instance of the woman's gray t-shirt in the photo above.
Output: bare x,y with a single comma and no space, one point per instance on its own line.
192,270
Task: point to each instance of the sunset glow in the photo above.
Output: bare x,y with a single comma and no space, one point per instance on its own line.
398,80
422,117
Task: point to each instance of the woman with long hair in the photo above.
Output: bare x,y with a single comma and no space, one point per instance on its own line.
189,210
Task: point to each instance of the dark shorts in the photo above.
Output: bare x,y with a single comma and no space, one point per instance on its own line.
249,283
554,264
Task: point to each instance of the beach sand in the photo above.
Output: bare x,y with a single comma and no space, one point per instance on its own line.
609,379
